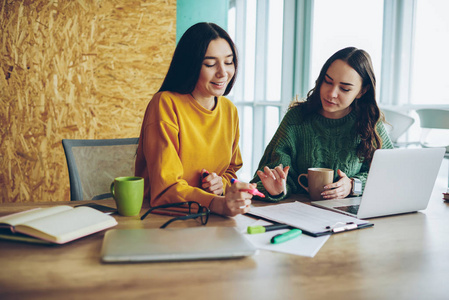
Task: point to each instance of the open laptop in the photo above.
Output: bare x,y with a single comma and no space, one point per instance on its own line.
174,244
399,181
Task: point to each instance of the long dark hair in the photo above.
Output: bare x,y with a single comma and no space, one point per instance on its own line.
368,113
187,60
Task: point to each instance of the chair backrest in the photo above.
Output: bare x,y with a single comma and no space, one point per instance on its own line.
437,119
433,118
93,165
398,123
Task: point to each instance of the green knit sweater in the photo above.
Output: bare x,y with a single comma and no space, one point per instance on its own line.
314,141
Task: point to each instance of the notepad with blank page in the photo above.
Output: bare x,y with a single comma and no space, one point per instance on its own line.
312,220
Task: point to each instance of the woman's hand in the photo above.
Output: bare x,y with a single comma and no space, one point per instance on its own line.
272,179
212,183
338,190
236,201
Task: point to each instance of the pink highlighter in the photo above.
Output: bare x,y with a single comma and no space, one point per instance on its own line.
254,192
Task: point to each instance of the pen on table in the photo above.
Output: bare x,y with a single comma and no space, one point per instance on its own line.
261,229
291,234
254,192
343,226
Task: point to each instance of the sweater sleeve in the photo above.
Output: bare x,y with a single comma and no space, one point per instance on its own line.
165,170
235,163
280,150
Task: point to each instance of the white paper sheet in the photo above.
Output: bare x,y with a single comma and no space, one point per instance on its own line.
305,217
303,245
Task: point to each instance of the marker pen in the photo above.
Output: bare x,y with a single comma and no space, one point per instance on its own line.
262,229
254,192
280,238
205,174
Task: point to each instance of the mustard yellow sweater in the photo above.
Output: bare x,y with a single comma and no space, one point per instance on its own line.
178,139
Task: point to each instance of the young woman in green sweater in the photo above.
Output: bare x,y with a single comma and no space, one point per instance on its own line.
338,126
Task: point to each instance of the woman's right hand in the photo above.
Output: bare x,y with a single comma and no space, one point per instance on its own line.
212,183
272,179
236,200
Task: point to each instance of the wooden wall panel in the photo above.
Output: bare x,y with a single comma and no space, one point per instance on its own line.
74,69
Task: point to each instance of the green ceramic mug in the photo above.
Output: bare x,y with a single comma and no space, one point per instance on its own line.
128,195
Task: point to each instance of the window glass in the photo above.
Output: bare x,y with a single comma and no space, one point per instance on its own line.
343,23
231,30
430,57
274,49
271,123
250,50
246,143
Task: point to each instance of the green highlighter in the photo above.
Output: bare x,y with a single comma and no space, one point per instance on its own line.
261,229
291,234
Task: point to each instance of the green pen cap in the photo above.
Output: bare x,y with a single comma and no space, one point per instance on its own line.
256,229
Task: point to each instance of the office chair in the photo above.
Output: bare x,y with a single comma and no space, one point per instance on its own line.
434,120
93,165
397,124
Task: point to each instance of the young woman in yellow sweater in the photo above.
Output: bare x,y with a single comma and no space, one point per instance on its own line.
189,142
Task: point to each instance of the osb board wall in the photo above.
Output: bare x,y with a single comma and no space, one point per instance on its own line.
74,69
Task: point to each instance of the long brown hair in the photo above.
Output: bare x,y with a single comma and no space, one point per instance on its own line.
368,113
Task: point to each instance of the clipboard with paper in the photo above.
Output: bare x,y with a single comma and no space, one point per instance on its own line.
311,220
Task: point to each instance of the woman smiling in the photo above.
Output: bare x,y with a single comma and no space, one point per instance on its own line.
189,142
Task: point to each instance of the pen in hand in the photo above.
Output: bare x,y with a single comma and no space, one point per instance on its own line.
254,192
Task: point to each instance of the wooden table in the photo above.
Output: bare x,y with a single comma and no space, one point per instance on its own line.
401,257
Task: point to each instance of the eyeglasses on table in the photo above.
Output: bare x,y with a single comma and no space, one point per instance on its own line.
196,210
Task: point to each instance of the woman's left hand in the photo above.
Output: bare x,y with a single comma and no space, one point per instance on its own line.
338,190
212,183
272,179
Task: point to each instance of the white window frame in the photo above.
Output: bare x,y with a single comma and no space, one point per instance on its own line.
396,71
294,50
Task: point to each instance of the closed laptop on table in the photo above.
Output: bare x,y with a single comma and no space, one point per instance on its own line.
399,181
174,244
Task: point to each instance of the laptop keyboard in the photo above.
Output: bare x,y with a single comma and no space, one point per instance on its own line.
352,209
